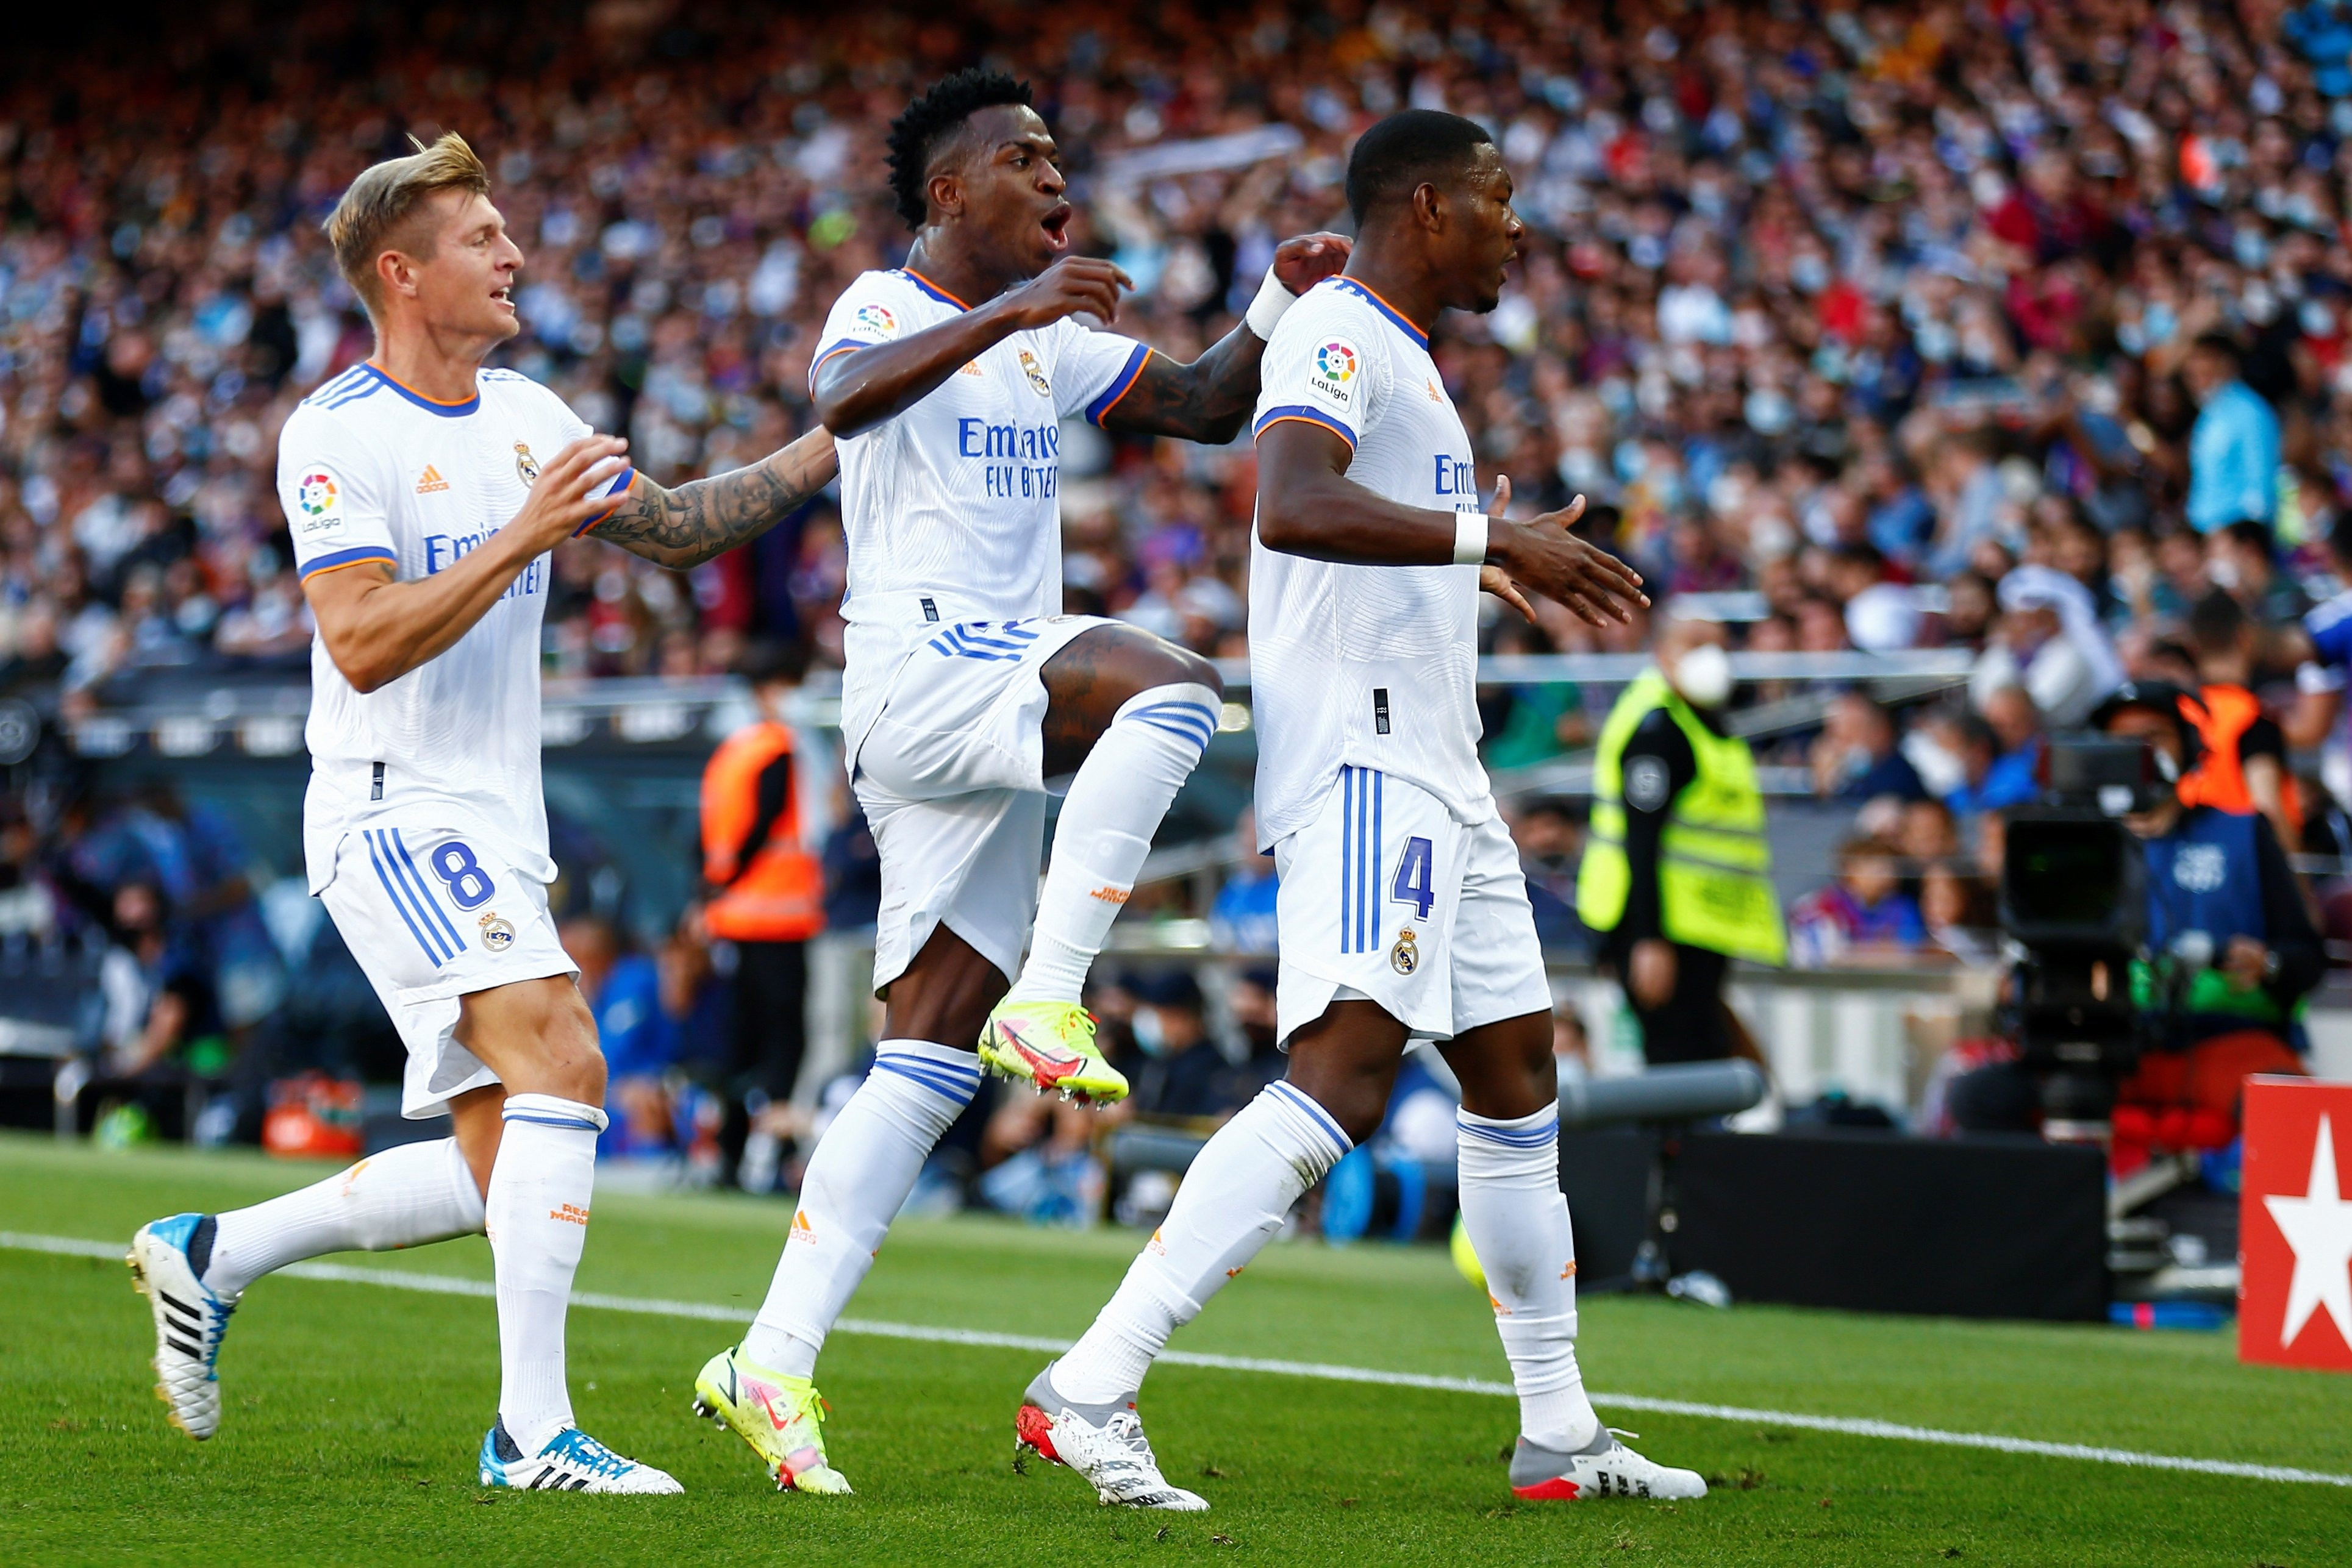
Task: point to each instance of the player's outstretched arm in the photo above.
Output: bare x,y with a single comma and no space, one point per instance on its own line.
377,630
1210,400
1308,505
686,527
864,388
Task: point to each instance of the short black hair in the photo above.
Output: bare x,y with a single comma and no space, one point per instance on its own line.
938,114
769,662
2215,622
2219,343
1407,150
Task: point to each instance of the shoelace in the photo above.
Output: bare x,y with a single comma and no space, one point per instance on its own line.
586,1452
216,1329
1126,1430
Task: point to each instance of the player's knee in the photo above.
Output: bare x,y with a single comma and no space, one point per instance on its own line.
1187,668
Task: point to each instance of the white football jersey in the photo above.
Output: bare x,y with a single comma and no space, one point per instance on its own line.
371,472
951,507
1365,666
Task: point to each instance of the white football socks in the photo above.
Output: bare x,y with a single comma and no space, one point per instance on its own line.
537,1215
1232,1203
405,1197
862,1169
1518,1223
1116,802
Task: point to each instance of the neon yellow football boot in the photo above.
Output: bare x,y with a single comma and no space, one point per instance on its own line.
781,1417
1052,1046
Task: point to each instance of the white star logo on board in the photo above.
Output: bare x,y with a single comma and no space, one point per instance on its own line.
2318,1227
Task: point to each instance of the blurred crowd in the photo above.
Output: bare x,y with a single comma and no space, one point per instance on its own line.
1855,310
2013,328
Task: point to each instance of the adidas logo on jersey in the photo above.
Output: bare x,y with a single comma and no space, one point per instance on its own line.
430,481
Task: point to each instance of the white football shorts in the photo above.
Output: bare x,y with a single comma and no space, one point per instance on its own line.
1385,896
952,776
431,919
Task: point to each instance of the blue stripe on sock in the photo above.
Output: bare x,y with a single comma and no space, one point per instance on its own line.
955,1072
574,1122
432,908
1296,1097
1180,718
1198,741
1379,849
944,1087
1546,1132
432,955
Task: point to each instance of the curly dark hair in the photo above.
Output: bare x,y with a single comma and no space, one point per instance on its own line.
916,134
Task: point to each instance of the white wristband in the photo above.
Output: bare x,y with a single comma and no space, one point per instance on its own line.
1265,310
1470,538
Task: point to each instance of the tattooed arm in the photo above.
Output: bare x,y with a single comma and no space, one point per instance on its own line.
686,527
1211,398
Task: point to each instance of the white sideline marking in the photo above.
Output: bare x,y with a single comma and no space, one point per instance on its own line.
1848,1426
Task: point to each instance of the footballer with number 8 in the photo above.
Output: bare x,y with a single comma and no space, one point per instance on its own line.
965,690
1402,912
423,493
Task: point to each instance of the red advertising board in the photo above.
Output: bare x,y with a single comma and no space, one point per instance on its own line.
2295,1225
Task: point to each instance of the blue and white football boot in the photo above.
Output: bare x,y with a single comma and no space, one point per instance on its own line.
572,1461
166,1260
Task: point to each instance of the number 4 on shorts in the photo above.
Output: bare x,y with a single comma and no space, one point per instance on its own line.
1416,879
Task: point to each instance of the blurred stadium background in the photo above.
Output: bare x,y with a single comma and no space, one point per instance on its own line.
1840,316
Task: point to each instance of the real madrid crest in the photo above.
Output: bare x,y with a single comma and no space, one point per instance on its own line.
498,934
1036,374
1404,957
526,466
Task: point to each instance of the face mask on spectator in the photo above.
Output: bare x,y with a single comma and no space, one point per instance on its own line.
1703,675
1150,1032
1769,412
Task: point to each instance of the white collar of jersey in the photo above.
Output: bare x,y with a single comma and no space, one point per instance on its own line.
430,405
1396,317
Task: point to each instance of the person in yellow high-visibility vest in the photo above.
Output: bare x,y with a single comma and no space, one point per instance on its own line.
1676,877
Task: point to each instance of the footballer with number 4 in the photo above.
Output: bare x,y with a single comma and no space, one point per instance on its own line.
1402,912
423,494
966,691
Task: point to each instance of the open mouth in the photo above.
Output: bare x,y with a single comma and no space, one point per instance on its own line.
1057,225
504,296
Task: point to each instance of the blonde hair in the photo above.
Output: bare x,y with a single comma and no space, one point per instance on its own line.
381,199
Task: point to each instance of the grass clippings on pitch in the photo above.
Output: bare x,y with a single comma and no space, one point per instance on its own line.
352,1414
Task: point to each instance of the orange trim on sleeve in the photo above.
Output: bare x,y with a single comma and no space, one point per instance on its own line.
1141,365
617,498
391,561
1322,424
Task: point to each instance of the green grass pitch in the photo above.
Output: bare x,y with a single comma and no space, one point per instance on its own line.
353,1413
